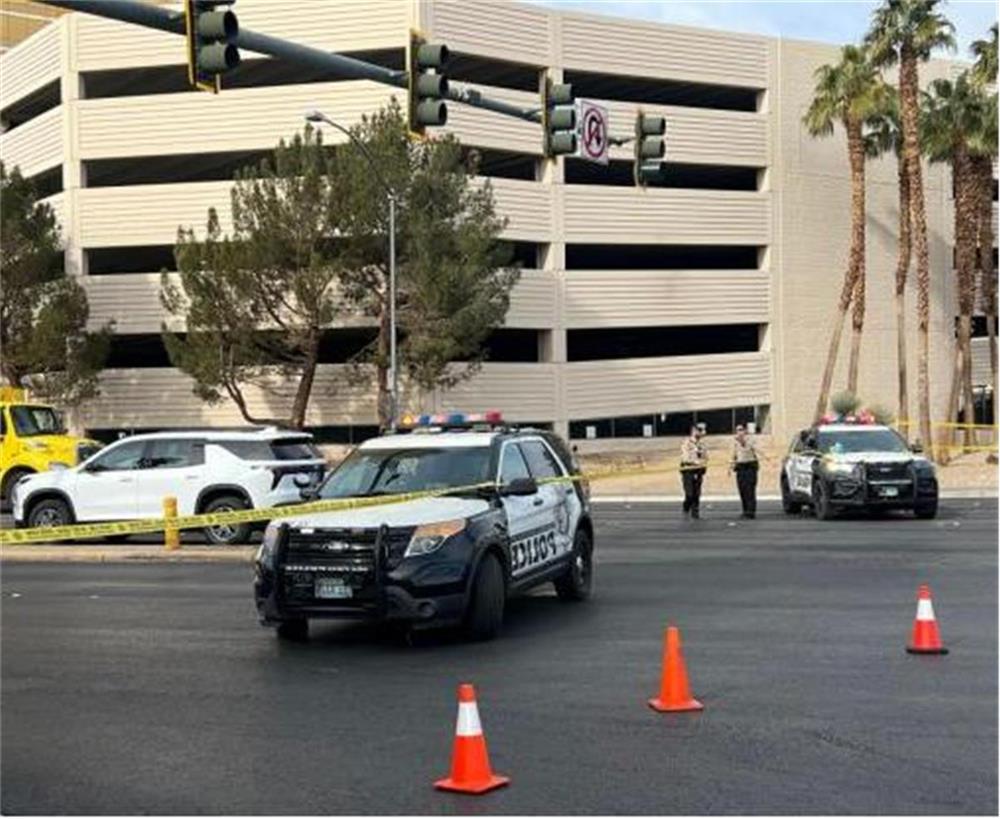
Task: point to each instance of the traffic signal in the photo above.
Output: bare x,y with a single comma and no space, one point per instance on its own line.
211,42
427,86
649,148
558,119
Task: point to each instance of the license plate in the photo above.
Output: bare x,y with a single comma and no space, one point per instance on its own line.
890,491
332,588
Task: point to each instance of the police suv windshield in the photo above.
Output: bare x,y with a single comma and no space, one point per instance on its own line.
391,471
856,440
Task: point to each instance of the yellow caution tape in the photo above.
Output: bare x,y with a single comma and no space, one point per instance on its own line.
152,525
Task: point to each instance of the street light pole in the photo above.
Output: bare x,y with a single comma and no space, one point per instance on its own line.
318,116
394,370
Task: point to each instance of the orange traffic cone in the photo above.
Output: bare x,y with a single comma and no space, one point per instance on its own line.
470,764
675,695
926,638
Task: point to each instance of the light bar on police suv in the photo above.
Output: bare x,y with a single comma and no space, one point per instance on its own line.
452,420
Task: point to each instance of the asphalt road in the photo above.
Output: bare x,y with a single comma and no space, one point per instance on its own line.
151,689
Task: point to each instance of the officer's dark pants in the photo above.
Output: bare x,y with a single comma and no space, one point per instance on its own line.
692,478
746,481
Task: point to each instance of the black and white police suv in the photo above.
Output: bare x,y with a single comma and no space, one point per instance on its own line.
452,559
856,466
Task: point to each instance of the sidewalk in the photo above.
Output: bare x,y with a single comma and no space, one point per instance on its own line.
965,474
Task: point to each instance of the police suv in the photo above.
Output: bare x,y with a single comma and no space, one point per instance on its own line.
856,465
497,528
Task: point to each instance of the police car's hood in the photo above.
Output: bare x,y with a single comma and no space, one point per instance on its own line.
873,457
407,513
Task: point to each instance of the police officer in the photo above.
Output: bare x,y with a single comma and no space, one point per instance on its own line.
694,462
744,463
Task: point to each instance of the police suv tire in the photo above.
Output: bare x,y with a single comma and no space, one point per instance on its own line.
50,512
821,501
229,534
296,630
790,507
484,615
577,582
926,511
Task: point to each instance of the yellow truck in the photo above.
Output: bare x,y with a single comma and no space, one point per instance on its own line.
33,439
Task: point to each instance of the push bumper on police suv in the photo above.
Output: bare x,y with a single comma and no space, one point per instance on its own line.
362,574
890,485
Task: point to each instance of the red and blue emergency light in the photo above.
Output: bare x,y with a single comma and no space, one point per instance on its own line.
452,420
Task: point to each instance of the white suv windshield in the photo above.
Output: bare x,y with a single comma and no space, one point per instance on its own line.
387,472
871,440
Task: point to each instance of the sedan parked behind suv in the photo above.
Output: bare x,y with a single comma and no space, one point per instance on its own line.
206,470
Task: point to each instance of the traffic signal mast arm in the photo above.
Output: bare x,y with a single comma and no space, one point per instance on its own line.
348,68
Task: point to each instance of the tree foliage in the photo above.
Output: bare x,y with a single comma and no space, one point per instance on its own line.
984,72
453,273
256,301
309,248
44,340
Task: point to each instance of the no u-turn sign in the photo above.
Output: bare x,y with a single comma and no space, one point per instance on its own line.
592,143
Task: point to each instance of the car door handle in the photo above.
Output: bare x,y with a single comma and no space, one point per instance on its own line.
125,480
538,502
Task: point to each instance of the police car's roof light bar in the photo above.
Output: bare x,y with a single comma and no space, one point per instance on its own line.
451,420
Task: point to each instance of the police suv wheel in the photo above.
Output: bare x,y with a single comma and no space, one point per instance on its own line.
295,630
484,615
821,501
926,511
578,581
790,507
226,534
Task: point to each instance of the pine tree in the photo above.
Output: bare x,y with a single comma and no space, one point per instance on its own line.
43,312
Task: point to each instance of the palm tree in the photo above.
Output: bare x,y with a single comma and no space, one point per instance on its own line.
906,32
849,93
952,115
885,134
984,154
984,74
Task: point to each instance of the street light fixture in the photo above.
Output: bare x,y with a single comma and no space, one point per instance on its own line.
315,115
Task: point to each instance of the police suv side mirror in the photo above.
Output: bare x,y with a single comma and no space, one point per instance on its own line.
518,487
916,447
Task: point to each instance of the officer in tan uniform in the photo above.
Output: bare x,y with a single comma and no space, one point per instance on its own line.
694,462
744,463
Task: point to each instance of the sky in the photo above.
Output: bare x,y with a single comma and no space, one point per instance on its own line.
838,22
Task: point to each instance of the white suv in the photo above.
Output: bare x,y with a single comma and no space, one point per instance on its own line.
206,470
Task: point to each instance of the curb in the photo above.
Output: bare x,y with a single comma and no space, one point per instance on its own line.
28,553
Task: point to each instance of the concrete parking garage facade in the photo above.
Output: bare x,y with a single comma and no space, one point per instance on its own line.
708,298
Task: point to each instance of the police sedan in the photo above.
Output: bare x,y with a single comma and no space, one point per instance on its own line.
508,518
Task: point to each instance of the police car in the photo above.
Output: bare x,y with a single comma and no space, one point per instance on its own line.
497,528
856,465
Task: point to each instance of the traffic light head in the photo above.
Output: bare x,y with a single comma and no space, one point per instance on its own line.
558,119
211,41
427,85
649,148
